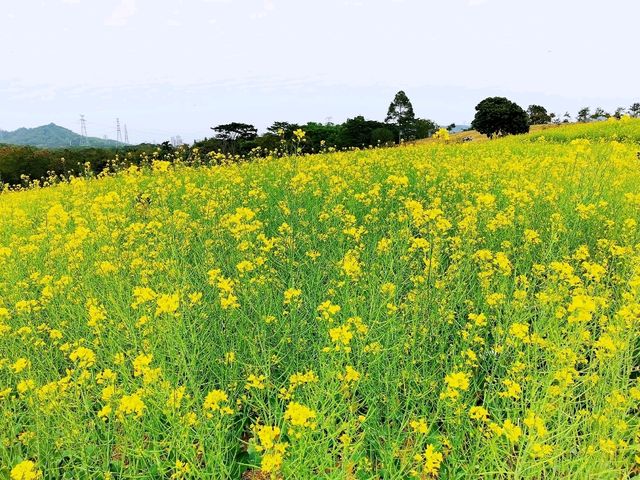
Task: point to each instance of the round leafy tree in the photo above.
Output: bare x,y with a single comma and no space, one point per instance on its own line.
538,115
500,116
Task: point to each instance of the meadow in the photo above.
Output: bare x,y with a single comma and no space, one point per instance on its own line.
625,130
442,310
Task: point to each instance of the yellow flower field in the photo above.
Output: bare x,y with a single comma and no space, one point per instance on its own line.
438,310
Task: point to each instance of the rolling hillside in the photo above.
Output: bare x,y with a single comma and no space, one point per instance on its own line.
51,136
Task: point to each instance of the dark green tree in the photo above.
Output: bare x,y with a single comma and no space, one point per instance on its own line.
236,138
538,115
383,136
425,127
269,143
320,136
634,110
284,129
166,149
619,113
583,114
400,114
235,131
357,132
500,116
599,113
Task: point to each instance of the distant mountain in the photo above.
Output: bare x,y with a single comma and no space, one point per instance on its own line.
52,136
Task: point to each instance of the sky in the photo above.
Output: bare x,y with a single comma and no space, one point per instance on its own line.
179,67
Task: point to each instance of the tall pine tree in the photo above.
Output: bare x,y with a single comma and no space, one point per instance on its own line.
401,114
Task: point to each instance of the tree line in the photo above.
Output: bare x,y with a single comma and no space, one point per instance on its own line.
538,115
495,116
237,140
401,124
19,163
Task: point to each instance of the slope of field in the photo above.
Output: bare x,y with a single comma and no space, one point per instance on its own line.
624,130
461,311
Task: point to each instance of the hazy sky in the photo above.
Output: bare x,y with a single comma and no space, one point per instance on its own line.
168,67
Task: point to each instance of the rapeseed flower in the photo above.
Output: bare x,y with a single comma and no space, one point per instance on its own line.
84,357
131,405
25,470
215,403
300,415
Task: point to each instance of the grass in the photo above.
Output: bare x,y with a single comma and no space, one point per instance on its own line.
461,311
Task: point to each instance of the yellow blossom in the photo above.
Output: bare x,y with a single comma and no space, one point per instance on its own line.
430,461
167,304
83,356
512,431
180,470
479,413
215,402
351,266
20,364
513,389
535,423
455,382
142,295
26,470
267,437
131,405
350,375
419,426
299,415
255,381
291,294
341,334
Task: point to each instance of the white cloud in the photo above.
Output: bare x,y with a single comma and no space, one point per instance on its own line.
122,13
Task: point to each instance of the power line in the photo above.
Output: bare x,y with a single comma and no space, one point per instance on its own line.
126,135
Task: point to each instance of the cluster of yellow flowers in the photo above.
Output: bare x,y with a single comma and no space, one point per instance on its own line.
438,310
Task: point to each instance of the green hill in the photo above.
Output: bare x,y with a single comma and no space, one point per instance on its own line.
51,136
